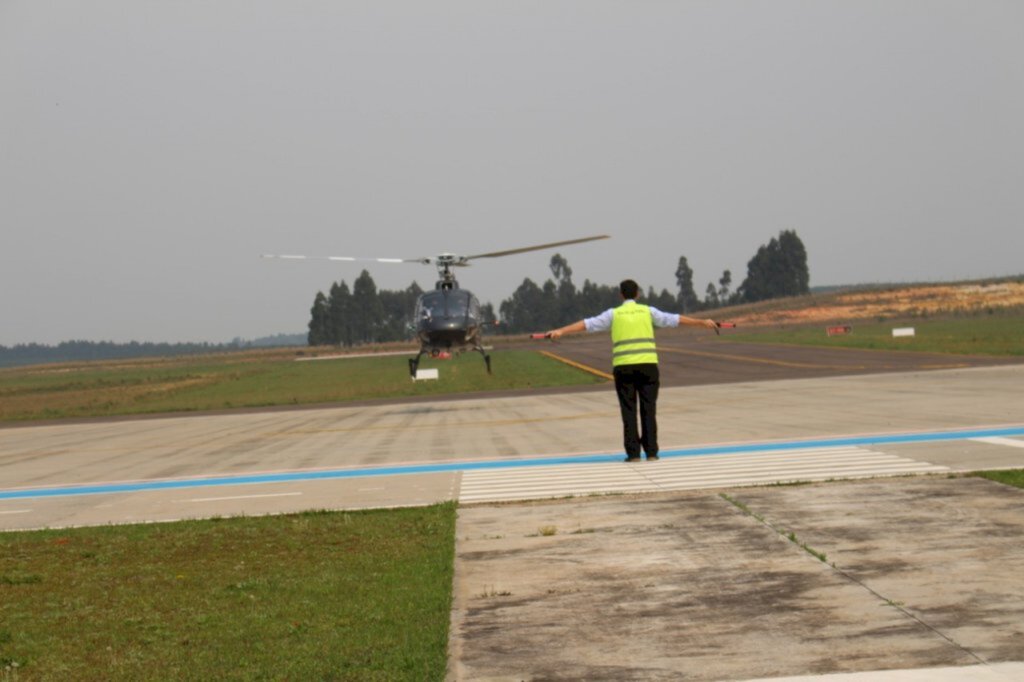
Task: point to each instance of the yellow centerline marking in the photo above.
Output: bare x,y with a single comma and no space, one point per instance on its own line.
763,361
577,365
701,353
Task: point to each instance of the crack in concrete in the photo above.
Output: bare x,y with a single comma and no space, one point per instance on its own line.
821,556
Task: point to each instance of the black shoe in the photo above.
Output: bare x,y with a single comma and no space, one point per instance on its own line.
652,458
632,458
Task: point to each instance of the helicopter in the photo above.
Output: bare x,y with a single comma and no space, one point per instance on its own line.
447,319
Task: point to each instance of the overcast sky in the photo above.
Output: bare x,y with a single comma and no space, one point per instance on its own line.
150,151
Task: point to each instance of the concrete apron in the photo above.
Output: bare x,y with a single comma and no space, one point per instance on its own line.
748,583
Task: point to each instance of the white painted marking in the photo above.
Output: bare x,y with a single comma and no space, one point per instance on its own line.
903,331
241,497
686,473
16,511
999,440
422,374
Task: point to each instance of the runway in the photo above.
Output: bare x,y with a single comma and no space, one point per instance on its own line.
507,447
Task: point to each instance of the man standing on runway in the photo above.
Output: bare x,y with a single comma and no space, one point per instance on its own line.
634,362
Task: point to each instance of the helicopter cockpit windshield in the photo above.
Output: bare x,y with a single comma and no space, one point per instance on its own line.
447,305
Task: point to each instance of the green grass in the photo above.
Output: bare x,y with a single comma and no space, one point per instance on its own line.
1001,335
314,596
223,382
1014,477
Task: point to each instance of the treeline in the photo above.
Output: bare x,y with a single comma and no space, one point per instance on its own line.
778,269
78,351
82,351
362,314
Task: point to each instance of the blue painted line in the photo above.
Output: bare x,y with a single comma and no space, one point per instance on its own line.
884,439
177,484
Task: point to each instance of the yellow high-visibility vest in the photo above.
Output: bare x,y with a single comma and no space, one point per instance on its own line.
632,335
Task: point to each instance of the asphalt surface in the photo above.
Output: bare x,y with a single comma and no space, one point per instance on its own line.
684,572
697,357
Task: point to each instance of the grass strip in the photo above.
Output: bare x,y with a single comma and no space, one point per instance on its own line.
1014,477
998,335
318,595
224,382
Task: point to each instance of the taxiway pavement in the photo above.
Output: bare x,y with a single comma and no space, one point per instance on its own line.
418,453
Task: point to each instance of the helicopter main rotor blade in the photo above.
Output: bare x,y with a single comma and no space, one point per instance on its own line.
444,260
346,259
495,254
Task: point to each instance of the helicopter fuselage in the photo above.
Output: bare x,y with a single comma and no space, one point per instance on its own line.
448,319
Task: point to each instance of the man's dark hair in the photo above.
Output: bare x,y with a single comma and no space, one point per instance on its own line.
629,289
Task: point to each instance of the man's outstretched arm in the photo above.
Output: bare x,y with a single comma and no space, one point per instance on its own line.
694,322
574,328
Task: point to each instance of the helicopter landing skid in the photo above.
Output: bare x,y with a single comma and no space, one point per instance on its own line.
414,363
487,358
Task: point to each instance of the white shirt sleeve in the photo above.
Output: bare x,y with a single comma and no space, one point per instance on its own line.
601,323
663,319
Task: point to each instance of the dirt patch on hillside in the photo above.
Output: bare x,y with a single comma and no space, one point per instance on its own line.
895,303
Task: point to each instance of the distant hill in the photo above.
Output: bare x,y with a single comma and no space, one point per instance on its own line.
77,351
275,341
883,301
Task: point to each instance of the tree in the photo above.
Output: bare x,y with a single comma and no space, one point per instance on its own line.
319,321
398,309
567,304
339,312
797,278
711,297
723,287
560,268
367,309
664,301
687,299
522,312
595,298
548,314
777,269
487,314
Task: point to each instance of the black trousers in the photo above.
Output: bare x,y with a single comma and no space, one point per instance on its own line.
638,384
